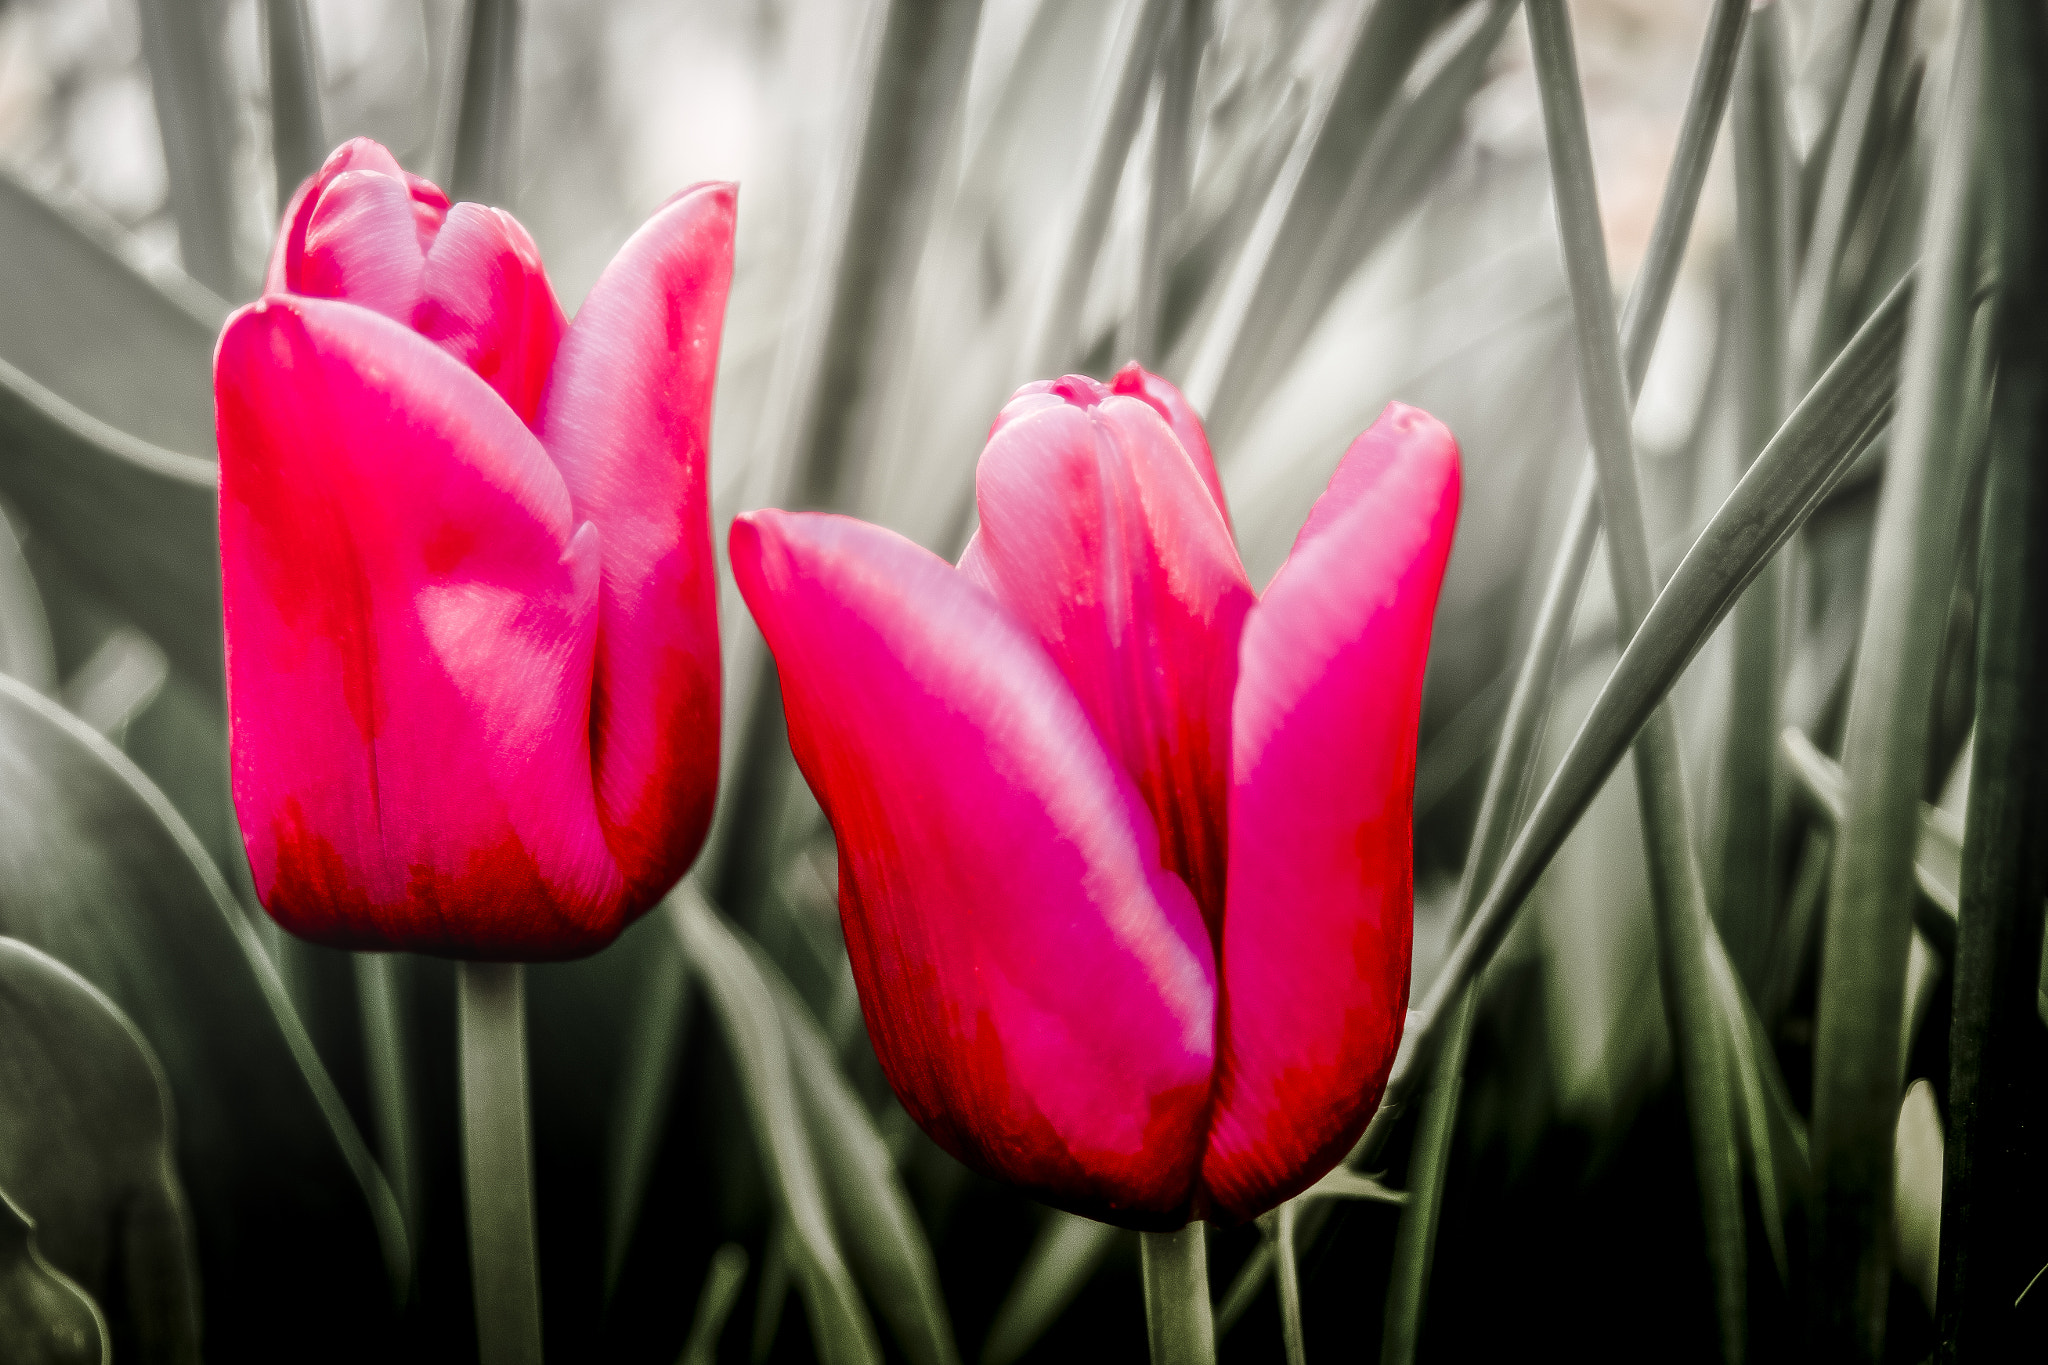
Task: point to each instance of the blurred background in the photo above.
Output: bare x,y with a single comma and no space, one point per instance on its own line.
1431,275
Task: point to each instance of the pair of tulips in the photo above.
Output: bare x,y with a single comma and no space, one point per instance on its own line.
1124,845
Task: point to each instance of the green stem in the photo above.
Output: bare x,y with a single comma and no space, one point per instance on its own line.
486,120
1180,61
1178,1323
298,135
384,1059
497,1161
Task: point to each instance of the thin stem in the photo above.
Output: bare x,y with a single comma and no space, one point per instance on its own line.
298,135
1284,1219
1178,1323
497,1161
389,1074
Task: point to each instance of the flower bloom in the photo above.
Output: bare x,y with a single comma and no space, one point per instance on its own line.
472,649
1124,847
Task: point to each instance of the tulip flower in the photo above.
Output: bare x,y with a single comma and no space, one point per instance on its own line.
1124,846
472,651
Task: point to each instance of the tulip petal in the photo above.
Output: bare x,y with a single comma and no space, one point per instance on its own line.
487,301
1097,531
1179,414
627,418
1039,990
411,615
1316,941
362,245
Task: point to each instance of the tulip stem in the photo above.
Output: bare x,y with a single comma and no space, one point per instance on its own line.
1178,1322
498,1161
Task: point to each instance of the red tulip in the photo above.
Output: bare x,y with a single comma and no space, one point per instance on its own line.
472,646
1124,848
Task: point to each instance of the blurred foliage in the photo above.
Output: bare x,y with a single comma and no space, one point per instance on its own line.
1363,211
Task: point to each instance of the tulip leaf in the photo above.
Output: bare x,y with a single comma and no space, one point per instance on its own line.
722,1281
103,875
759,1038
134,351
45,1318
186,51
1937,862
85,1156
869,1205
1065,1255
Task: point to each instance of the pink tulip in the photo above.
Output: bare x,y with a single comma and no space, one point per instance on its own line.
472,646
1124,847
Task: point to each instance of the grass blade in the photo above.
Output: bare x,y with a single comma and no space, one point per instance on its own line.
1677,897
722,1281
1742,865
483,163
1824,435
1051,343
828,388
1180,62
1869,923
1383,45
755,1030
298,133
183,46
1992,1185
1066,1254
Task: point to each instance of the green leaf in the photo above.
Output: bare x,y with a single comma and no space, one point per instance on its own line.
1065,1255
85,1157
1937,859
1916,1198
1824,435
870,1208
45,1318
298,135
484,165
1677,897
759,1038
102,874
185,48
1861,1013
722,1281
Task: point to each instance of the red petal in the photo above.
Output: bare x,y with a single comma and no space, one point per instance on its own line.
1179,415
1321,908
410,627
627,417
1096,530
487,301
1040,992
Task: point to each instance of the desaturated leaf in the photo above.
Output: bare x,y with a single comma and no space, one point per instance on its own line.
757,1034
85,1152
1916,1198
45,1318
102,874
1067,1252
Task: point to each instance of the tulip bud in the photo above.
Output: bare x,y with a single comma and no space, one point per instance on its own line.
1125,849
472,646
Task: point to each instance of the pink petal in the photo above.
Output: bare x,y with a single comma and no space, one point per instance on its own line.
361,245
1097,531
1316,940
487,301
627,418
411,612
1179,414
287,256
1040,992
